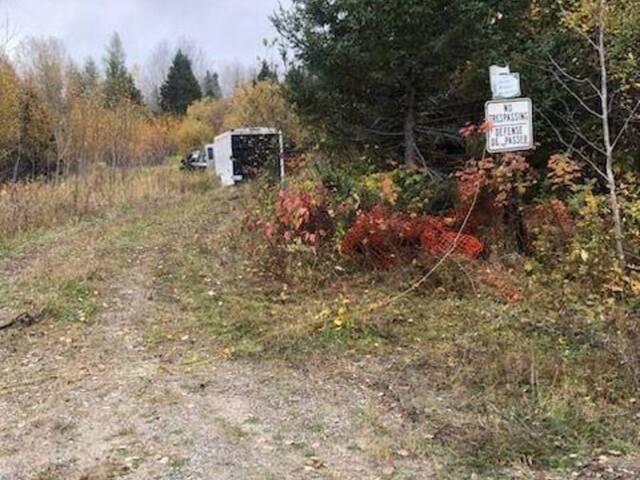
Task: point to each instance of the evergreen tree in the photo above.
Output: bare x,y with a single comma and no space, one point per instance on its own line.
74,82
119,84
267,72
376,71
211,86
181,87
90,75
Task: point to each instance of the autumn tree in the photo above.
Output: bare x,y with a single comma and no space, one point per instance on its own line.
181,87
9,117
34,148
44,62
601,86
264,105
211,113
190,135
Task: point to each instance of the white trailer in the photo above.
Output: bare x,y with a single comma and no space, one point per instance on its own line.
241,153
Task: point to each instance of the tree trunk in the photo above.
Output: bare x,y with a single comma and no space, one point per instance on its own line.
608,144
16,165
410,147
16,170
617,218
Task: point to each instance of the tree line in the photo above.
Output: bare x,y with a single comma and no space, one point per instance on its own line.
58,118
406,74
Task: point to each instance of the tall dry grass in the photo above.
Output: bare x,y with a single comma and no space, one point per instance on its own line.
27,206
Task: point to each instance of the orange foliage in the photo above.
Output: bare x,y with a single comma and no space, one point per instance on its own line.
300,216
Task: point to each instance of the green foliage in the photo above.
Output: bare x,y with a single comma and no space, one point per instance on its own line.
420,193
580,253
211,86
408,190
90,76
119,85
267,72
362,67
181,87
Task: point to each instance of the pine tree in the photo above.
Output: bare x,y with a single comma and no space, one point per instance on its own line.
211,86
181,87
374,70
119,84
267,72
90,75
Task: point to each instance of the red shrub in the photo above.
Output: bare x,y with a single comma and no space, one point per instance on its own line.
299,216
485,212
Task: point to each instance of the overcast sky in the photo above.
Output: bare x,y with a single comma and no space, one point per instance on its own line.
226,30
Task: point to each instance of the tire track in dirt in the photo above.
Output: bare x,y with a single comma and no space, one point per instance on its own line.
104,400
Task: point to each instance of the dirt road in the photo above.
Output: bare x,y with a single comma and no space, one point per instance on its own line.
117,383
113,373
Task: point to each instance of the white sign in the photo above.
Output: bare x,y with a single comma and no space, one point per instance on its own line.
511,125
504,84
507,86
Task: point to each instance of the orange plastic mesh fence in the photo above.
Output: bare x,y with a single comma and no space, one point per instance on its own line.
382,238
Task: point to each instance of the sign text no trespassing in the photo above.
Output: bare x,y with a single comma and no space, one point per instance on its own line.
511,125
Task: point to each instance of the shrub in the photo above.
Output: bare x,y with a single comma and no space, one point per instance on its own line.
410,190
300,216
420,193
381,237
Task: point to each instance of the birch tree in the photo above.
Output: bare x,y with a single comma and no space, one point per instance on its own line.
608,30
43,61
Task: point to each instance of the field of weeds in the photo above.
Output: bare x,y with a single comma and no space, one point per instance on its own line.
27,206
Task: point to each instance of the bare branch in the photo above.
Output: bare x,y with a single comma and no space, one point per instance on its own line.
625,126
435,131
575,129
383,133
433,174
564,72
580,100
571,147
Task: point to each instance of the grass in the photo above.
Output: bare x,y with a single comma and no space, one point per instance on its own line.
71,301
26,207
546,382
